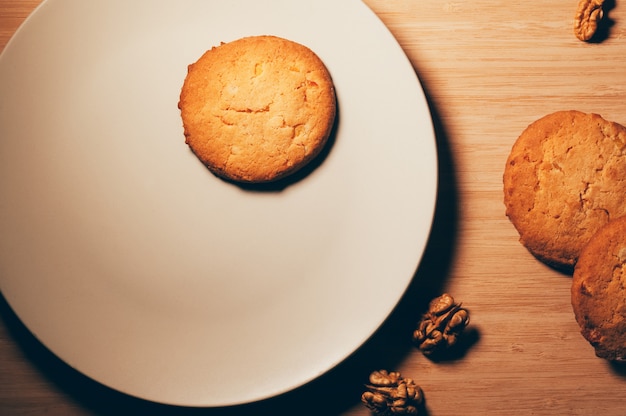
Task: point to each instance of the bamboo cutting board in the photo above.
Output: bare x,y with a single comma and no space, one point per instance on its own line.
489,68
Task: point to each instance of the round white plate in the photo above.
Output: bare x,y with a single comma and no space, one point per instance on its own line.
139,268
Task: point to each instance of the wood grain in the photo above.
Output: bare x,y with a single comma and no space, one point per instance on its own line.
489,68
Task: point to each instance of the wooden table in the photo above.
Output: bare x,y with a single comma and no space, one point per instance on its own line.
489,68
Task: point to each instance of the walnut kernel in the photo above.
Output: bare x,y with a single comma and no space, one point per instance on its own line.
440,327
588,15
390,394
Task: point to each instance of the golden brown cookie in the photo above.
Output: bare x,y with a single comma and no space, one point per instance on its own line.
564,178
257,109
599,292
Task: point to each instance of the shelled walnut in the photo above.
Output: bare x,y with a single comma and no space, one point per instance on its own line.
390,394
440,327
588,15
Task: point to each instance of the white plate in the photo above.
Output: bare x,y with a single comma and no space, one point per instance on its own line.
137,267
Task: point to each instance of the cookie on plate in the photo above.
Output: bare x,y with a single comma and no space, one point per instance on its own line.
599,292
564,178
258,108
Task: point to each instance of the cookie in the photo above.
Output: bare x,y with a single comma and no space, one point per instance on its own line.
258,108
564,178
599,292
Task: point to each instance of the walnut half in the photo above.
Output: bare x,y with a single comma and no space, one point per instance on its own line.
588,15
389,394
440,327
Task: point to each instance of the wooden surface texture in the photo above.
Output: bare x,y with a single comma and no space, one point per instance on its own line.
489,68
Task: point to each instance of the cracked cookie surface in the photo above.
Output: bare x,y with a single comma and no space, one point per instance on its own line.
599,291
564,178
258,108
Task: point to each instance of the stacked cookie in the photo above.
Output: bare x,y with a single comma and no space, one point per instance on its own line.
599,291
565,193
